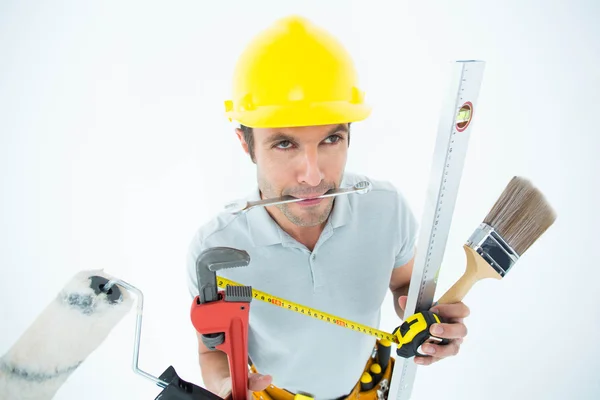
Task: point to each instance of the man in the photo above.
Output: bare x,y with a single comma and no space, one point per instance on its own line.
295,96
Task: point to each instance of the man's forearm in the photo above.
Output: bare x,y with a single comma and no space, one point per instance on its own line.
403,291
215,368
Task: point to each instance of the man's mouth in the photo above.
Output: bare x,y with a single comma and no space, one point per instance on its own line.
309,196
309,199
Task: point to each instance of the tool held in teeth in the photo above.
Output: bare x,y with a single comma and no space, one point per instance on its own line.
242,206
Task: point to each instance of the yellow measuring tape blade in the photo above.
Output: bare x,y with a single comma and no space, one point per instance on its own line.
311,312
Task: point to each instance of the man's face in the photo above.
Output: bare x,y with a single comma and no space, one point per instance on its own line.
303,162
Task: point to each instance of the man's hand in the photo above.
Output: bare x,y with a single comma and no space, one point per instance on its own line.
453,329
256,383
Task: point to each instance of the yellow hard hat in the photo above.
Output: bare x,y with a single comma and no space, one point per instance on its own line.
295,73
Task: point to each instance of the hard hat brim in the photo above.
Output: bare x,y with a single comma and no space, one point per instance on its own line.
307,114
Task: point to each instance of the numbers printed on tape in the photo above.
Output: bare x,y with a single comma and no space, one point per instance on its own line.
311,312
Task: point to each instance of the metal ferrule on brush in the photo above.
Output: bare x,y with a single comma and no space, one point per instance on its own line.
493,248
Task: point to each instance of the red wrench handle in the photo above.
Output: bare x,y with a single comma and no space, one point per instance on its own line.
231,319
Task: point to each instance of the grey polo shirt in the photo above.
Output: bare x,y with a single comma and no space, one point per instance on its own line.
347,274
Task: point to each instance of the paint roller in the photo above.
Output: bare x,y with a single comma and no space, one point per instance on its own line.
68,330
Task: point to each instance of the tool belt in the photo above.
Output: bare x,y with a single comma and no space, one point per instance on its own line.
373,385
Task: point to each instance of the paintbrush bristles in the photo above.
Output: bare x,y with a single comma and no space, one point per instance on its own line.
521,214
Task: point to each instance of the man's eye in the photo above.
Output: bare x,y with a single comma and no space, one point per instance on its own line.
333,139
286,144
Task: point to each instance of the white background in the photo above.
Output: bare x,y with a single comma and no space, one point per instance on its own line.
114,150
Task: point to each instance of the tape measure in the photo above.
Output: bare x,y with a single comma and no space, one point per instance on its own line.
311,312
408,337
414,332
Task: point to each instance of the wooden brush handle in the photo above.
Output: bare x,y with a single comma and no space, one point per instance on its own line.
477,269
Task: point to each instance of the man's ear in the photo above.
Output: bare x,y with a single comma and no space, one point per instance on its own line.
240,135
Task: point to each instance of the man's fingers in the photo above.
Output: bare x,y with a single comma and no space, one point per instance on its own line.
437,351
449,311
258,382
449,331
402,302
426,360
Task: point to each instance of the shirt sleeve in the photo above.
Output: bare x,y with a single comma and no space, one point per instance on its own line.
407,231
194,250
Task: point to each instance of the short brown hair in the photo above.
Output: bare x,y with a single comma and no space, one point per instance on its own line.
249,138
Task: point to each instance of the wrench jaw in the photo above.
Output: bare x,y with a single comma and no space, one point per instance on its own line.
207,263
363,187
237,206
212,260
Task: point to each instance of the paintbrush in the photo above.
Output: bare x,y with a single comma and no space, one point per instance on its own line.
517,220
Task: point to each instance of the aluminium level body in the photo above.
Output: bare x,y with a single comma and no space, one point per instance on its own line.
459,109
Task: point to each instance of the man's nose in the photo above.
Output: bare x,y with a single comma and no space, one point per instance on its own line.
310,172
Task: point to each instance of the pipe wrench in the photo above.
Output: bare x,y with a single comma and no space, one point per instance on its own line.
221,316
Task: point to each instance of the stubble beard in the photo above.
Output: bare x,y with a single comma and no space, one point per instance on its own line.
312,216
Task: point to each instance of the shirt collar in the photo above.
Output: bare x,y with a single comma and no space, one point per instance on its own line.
342,211
264,231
